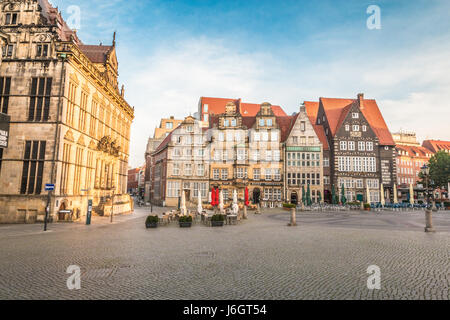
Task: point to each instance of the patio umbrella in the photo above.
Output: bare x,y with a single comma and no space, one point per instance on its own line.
383,202
199,203
183,204
343,198
411,194
333,195
235,202
308,196
303,195
368,194
395,194
246,202
221,201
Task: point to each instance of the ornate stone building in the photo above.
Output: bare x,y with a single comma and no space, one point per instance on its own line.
228,138
303,155
70,124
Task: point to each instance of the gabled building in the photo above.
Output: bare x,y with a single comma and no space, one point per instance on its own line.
181,164
266,162
362,150
245,152
166,126
228,147
70,123
303,159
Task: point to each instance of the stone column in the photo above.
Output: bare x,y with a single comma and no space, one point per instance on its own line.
245,212
429,221
293,222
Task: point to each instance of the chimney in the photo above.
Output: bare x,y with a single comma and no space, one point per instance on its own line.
302,108
361,100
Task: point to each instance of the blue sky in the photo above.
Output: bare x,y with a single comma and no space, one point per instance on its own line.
172,52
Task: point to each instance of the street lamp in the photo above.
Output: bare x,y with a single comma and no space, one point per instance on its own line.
425,170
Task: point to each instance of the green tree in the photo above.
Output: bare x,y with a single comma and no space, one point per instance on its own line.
439,170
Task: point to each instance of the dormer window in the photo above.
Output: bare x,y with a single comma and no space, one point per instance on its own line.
226,123
233,122
11,18
269,122
261,122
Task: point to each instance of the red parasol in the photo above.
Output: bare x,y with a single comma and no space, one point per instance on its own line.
213,195
246,197
217,196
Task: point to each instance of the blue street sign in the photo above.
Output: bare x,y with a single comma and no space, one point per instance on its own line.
49,187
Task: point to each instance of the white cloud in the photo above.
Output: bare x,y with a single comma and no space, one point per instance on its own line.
411,90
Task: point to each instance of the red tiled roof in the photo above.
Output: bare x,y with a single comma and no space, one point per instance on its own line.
312,108
414,151
217,106
322,136
436,145
336,109
165,142
96,53
286,124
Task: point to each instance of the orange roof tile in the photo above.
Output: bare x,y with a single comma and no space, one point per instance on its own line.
436,145
414,151
217,106
336,110
312,108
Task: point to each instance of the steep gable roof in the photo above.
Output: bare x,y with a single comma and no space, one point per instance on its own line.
312,109
286,124
96,53
335,110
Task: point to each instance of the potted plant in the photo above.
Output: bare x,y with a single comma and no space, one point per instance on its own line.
288,206
217,220
367,206
151,222
185,221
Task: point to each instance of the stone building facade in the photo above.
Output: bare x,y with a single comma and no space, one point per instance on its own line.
181,164
229,162
166,126
70,124
303,164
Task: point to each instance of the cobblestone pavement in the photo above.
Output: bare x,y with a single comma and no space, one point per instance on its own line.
325,257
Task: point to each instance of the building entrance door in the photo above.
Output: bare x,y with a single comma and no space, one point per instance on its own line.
256,195
294,197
